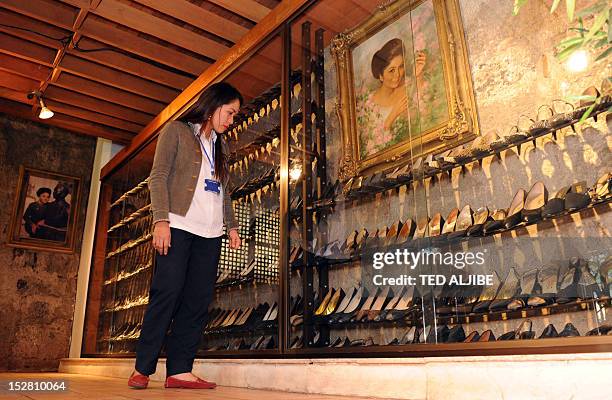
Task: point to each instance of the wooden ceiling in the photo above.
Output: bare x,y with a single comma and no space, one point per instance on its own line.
108,67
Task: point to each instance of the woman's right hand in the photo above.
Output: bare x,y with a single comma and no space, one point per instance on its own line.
161,237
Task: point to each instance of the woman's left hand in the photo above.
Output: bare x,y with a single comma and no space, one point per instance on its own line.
234,239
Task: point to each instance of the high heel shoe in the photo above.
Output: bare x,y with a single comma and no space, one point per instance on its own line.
556,204
577,197
407,231
569,331
435,225
348,297
385,296
421,229
451,223
359,300
488,295
403,306
324,302
465,220
333,302
514,211
392,233
456,334
474,336
481,216
391,304
520,332
549,332
507,292
527,285
534,202
495,223
602,188
487,336
408,337
544,290
439,335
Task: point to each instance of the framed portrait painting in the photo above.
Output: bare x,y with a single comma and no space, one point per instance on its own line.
404,85
44,211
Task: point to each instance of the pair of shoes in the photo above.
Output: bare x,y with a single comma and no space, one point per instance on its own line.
174,383
138,381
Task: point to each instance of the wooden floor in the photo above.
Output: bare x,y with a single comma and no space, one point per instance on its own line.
87,387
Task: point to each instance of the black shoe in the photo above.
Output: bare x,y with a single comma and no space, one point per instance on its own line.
515,210
472,337
549,332
456,334
569,331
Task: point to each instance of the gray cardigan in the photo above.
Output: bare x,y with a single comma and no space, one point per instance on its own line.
175,172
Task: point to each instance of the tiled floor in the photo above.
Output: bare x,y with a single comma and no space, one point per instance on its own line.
86,387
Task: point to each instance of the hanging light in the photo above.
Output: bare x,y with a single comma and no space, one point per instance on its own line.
45,112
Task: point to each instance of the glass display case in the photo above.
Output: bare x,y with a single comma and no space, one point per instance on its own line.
377,217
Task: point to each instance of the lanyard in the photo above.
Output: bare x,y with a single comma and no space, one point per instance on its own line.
211,162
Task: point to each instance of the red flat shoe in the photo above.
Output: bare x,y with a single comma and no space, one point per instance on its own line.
181,384
138,381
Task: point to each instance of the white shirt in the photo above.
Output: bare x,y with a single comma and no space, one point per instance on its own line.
205,215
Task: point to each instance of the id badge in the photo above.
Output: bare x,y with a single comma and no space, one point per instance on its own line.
211,185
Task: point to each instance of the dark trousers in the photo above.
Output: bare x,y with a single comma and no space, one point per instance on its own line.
182,289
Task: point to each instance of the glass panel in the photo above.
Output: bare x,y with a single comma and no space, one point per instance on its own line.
245,312
410,227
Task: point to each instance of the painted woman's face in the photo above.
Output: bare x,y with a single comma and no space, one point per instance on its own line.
44,197
393,75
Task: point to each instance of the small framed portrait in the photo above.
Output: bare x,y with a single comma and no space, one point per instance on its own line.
404,84
44,211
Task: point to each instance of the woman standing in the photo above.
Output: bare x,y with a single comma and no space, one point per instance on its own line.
190,204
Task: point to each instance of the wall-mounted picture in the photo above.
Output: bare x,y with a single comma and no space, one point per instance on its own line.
44,213
401,76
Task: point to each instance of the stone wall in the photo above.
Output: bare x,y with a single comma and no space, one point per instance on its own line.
38,288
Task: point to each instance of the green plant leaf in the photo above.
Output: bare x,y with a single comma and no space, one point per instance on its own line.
581,30
604,54
570,41
594,9
563,54
600,20
570,6
587,113
576,98
517,5
554,6
600,42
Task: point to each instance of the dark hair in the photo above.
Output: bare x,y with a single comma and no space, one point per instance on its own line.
210,100
43,190
382,58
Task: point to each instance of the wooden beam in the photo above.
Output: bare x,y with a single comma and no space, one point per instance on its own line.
115,60
22,67
220,69
70,110
144,22
16,82
110,94
92,116
26,50
133,43
200,18
15,95
94,104
52,12
131,65
117,79
249,9
66,122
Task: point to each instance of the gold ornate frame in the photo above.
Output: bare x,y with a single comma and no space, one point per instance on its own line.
462,124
